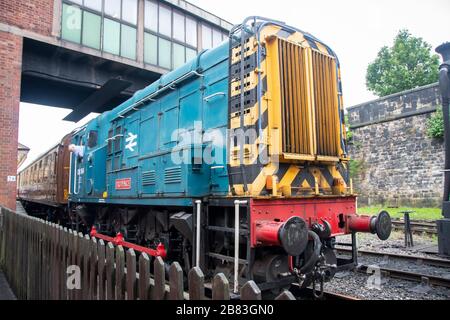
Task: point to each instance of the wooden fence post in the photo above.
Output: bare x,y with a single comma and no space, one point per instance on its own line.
93,272
80,263
144,277
250,291
110,272
131,275
196,281
63,264
101,270
221,288
176,282
285,295
120,271
87,251
159,291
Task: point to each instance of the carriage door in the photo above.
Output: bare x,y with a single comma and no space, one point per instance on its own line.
114,155
122,157
131,143
95,168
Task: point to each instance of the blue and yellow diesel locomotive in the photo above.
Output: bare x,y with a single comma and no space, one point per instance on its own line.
236,162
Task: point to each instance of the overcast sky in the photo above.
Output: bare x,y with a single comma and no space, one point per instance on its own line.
355,29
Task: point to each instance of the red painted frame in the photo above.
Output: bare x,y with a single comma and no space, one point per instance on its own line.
119,241
310,209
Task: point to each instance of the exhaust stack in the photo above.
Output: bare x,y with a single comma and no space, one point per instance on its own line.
444,83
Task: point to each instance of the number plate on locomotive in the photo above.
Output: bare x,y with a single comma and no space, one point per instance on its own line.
123,184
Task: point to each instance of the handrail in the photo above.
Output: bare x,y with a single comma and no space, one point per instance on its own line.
70,174
150,97
197,239
237,205
217,94
75,182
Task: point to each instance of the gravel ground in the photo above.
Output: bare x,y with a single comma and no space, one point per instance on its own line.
383,288
356,284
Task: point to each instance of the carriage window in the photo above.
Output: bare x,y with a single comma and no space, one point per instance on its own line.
92,140
40,172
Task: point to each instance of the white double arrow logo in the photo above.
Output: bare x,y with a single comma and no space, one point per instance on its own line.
131,141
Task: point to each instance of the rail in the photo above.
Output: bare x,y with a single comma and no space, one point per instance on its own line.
417,226
431,261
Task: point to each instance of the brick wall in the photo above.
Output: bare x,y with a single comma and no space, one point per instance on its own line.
10,76
398,163
31,15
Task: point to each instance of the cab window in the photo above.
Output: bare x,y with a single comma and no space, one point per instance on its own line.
92,139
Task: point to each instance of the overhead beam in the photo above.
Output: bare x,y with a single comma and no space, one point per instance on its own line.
98,100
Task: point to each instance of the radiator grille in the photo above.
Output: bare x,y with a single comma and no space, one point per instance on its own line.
296,111
309,101
326,106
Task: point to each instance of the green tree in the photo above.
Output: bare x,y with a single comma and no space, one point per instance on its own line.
408,64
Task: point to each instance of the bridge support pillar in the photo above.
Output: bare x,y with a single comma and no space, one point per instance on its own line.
10,82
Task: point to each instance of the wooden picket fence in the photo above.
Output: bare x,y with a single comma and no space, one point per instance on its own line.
35,256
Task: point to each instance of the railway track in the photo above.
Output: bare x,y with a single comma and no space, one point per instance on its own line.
410,276
432,261
417,226
403,274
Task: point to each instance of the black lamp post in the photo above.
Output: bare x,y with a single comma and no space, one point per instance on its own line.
444,82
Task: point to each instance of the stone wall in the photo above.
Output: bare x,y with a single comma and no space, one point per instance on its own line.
396,163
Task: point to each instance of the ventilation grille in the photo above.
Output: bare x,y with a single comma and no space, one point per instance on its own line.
148,178
172,175
326,104
296,110
309,96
